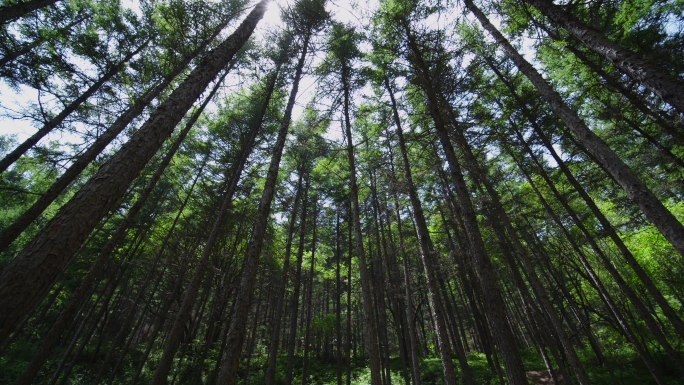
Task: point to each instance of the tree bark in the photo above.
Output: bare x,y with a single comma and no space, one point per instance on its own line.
11,233
668,88
495,308
12,12
26,280
235,335
369,317
635,188
427,254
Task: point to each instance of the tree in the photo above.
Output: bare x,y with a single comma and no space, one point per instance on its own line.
52,250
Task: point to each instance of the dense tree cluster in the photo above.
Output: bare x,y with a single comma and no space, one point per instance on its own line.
407,191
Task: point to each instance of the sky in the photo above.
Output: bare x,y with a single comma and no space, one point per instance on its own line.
348,12
12,101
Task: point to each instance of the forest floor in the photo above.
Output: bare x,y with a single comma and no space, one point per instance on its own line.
543,377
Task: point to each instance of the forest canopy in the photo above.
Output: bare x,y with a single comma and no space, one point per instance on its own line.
327,192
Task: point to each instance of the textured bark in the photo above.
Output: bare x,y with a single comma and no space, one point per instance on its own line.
235,336
495,308
427,255
26,280
369,318
668,88
12,12
635,188
11,233
58,327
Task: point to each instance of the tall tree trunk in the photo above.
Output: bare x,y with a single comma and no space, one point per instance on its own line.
274,342
350,249
173,341
635,188
103,256
427,254
309,296
394,286
26,280
235,335
410,315
11,233
296,288
668,88
338,298
369,317
495,308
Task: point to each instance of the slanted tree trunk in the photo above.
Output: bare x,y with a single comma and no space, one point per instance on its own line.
183,314
671,315
12,12
427,254
11,233
668,88
79,295
658,117
596,282
495,307
639,307
235,335
501,224
26,280
635,188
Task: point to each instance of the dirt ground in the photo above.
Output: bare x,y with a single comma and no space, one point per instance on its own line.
542,377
